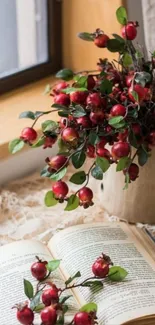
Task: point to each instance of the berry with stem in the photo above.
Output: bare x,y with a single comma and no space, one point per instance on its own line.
60,190
39,270
28,134
49,315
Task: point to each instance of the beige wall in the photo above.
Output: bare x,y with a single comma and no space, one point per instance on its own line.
87,15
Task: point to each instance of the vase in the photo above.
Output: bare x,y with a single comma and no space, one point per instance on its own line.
135,204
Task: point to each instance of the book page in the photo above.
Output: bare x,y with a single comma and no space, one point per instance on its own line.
15,262
79,246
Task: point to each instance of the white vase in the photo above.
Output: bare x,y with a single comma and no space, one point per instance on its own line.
137,203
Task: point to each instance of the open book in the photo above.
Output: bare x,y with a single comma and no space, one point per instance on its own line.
129,302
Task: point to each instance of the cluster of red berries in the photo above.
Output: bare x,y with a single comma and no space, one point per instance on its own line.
108,115
50,297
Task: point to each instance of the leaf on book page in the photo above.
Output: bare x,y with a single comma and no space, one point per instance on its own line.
117,273
90,307
77,275
28,289
35,300
94,285
39,308
53,265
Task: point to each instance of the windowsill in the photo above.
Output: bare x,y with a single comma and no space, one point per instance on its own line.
28,98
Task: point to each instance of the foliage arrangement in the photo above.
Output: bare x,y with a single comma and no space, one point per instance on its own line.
50,301
106,115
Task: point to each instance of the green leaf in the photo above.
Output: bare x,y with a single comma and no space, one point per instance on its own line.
127,59
120,125
59,175
121,15
133,140
119,38
28,289
139,55
16,145
44,172
103,163
72,203
106,87
94,285
62,300
47,89
142,156
90,307
123,163
39,143
97,173
53,265
39,308
117,273
115,120
142,78
78,178
127,181
59,107
27,114
72,89
35,300
78,159
49,125
81,81
76,275
50,200
62,146
65,74
93,138
79,111
63,113
135,95
114,45
86,36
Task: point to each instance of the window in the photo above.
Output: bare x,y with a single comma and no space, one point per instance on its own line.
30,38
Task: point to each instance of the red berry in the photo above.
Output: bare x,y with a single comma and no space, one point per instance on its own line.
78,97
91,82
25,315
82,318
128,80
133,171
91,151
136,128
97,117
118,110
60,86
63,122
94,100
129,31
123,96
49,316
69,134
62,99
122,136
84,121
57,162
49,141
60,189
151,138
101,40
139,90
28,134
50,296
85,194
100,268
39,270
120,149
102,152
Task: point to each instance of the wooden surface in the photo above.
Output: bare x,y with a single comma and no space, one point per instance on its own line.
86,16
29,98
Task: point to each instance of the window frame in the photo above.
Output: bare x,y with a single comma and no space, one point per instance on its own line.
54,62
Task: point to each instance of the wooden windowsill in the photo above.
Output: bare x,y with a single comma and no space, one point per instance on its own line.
28,98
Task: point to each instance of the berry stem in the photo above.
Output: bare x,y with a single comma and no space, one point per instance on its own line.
77,285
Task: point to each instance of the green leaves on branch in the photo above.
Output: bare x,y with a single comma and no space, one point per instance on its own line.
94,285
135,96
78,159
106,87
103,163
49,125
115,45
16,145
72,89
142,78
90,307
117,122
127,181
73,203
58,175
33,115
53,265
143,156
75,276
78,178
121,15
117,273
79,111
81,81
127,59
86,36
50,200
28,289
39,142
93,138
97,173
35,302
65,74
123,163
